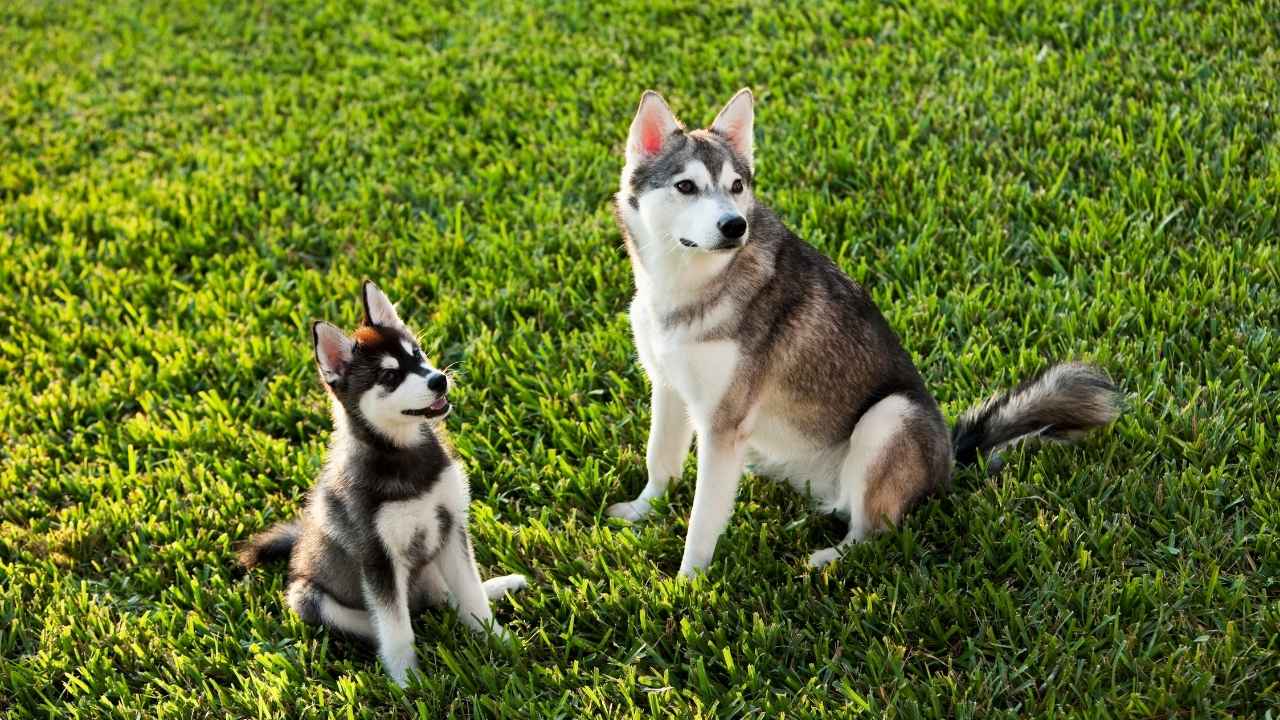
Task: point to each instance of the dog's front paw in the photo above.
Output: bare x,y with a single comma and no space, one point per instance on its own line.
501,634
632,511
691,566
401,663
823,557
500,587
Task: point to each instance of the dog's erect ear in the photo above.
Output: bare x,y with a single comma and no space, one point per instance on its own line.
735,123
333,350
653,125
378,309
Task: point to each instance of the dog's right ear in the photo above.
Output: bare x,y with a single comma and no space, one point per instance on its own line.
333,351
735,123
378,309
653,125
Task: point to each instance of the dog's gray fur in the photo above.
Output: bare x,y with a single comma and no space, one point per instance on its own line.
817,388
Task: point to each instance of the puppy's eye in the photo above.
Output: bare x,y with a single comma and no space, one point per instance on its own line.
387,377
686,187
737,186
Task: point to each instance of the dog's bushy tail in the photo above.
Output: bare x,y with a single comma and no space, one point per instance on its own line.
270,545
1062,403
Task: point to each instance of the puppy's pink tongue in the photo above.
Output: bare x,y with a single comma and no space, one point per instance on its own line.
439,403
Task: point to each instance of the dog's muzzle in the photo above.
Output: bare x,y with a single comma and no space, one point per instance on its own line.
732,226
434,410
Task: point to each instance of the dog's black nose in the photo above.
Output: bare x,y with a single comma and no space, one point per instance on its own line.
437,382
732,226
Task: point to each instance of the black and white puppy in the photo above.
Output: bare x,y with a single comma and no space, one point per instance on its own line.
384,531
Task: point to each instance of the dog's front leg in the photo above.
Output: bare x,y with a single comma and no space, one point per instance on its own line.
458,567
670,433
720,458
386,593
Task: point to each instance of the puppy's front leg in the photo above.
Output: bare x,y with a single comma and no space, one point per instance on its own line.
720,458
386,593
458,567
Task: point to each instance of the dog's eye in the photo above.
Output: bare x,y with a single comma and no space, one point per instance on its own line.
686,187
737,186
387,377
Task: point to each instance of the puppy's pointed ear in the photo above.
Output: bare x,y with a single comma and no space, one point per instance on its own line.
333,351
378,309
736,123
653,125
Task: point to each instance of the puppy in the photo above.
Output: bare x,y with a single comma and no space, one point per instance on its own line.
384,531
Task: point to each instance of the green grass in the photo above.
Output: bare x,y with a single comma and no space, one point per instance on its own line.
184,185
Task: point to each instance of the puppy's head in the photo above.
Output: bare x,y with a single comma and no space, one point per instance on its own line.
379,375
690,191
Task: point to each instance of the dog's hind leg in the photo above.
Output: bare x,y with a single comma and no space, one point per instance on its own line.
318,607
499,587
430,588
818,558
898,452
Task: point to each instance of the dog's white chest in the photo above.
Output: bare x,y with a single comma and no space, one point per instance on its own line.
405,523
421,522
700,371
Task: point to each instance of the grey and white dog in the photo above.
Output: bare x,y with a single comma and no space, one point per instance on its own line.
759,345
384,531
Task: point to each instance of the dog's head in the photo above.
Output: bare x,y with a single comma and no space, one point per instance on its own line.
690,191
379,375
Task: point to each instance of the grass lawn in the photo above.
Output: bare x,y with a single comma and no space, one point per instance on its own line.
185,185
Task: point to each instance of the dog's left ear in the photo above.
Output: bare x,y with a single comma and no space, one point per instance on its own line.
378,309
735,123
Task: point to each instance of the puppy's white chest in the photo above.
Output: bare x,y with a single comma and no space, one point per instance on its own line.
406,523
407,526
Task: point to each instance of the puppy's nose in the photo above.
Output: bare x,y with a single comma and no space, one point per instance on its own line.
437,382
732,226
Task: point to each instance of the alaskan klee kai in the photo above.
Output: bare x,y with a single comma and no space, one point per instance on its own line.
759,345
384,531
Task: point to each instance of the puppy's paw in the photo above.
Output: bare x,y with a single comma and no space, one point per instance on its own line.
826,556
401,664
631,511
500,634
500,587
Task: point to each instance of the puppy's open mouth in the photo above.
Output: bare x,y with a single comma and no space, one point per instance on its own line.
436,409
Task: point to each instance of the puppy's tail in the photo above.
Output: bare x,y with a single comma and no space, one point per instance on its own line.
270,545
1062,403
